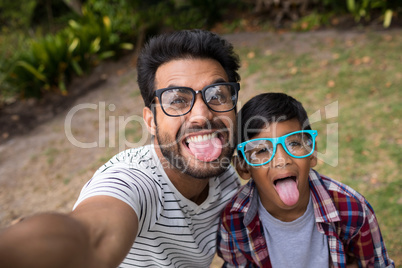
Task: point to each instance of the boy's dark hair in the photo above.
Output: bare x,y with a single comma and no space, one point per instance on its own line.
185,44
269,108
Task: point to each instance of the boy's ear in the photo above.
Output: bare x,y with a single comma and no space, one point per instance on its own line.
313,158
148,117
241,167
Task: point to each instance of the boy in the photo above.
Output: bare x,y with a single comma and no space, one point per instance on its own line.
288,215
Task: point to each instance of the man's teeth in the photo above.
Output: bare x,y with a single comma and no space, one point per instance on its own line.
201,138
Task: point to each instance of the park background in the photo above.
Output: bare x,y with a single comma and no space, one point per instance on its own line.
342,59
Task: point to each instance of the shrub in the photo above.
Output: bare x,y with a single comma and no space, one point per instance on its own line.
51,61
367,9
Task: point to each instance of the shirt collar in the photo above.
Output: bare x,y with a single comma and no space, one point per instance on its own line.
324,208
246,202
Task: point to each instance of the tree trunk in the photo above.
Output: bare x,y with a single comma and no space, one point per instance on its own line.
75,5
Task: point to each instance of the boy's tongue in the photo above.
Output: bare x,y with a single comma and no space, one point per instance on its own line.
206,150
287,191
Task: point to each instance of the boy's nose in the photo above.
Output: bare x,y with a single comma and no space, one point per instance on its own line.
281,158
200,111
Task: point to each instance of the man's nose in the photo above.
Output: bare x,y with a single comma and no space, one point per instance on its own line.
200,111
281,158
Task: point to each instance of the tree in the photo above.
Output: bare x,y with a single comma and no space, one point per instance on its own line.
75,5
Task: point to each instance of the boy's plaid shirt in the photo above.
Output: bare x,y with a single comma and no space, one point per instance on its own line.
342,214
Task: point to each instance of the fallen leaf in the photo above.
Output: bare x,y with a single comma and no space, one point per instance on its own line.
293,70
15,117
331,83
268,52
366,59
251,55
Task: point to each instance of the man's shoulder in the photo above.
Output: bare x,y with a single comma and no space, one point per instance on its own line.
135,155
141,157
229,178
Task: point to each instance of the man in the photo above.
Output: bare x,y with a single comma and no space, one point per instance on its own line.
157,205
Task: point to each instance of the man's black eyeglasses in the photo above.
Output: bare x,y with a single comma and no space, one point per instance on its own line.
178,101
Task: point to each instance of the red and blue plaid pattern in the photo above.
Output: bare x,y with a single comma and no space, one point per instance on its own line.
341,213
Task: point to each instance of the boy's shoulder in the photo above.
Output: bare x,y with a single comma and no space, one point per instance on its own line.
344,197
338,189
240,203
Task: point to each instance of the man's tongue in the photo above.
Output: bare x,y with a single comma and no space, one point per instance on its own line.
287,191
207,150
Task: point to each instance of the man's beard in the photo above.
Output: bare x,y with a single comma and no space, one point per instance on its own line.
201,170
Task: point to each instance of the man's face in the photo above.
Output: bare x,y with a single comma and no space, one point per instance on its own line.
200,143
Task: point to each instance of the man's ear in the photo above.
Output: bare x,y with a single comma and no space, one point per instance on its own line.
149,120
241,167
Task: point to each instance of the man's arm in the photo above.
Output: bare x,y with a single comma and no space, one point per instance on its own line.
98,233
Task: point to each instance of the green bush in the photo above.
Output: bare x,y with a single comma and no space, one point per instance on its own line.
104,29
13,16
199,13
367,9
51,61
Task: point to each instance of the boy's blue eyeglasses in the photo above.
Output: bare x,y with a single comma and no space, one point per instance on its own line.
298,144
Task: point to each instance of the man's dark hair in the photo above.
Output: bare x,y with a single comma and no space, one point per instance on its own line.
185,44
269,108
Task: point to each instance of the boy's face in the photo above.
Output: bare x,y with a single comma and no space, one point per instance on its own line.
282,184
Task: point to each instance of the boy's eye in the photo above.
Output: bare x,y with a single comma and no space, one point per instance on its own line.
262,150
294,144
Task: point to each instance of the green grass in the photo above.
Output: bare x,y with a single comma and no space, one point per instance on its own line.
363,74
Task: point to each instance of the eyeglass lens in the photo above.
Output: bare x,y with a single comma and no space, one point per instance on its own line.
261,151
178,101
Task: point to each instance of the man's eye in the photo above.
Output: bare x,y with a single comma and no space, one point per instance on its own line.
217,99
178,101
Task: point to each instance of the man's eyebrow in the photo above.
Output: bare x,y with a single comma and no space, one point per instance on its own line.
219,80
172,85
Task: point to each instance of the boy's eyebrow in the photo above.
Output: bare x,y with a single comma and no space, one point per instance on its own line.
286,133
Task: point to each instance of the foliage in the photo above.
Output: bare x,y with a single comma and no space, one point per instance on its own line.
200,13
104,29
107,26
9,44
51,61
366,9
13,16
311,21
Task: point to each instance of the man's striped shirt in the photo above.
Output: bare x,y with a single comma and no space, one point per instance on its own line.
173,231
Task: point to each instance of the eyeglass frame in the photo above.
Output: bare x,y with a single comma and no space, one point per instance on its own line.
275,142
158,93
